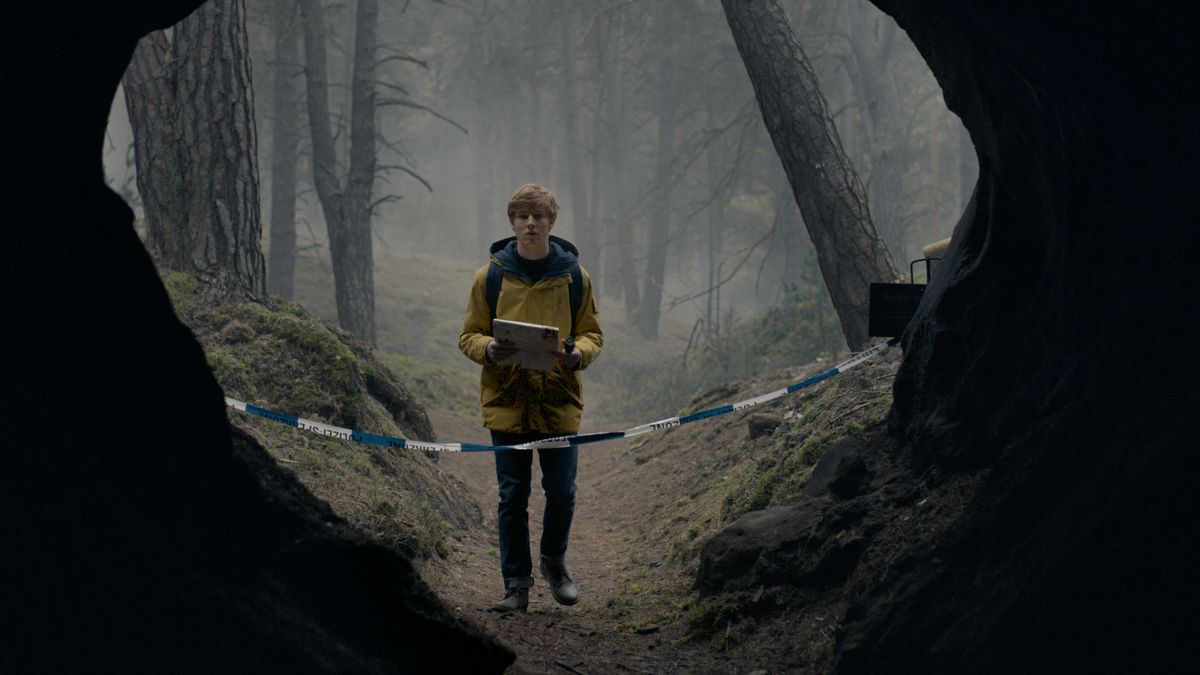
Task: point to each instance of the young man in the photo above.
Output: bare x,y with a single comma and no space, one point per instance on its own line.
521,405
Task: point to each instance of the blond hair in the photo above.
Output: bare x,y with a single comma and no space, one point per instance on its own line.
531,196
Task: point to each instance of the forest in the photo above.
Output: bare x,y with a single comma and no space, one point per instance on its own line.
294,196
667,177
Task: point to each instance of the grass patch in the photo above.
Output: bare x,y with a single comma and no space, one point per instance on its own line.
712,620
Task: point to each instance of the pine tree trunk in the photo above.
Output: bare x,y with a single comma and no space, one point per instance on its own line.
650,307
347,209
150,97
713,165
192,107
585,233
357,256
831,197
487,210
285,144
620,280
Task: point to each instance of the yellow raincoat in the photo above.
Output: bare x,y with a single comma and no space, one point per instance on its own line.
528,401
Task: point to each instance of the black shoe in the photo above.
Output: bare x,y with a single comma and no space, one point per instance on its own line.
564,590
515,600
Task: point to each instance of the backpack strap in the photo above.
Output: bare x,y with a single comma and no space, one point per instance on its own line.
495,278
575,291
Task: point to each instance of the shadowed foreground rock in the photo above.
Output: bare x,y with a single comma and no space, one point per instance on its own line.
1045,356
136,535
814,543
1043,430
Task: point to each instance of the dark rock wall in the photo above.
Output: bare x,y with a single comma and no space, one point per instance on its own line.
135,535
1050,354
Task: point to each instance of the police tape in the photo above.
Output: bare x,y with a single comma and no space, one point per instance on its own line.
367,438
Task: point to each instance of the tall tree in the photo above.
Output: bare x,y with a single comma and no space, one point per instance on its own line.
285,145
346,202
650,307
827,189
482,137
191,108
715,212
585,235
617,230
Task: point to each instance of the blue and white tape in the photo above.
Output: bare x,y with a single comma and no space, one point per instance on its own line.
366,438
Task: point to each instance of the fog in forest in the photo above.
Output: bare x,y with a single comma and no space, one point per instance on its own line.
638,115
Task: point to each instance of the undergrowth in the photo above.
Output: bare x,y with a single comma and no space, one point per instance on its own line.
797,330
755,474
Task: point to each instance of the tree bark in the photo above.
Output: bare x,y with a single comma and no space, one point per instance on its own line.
192,108
486,206
285,145
585,234
712,165
830,196
619,277
150,97
347,207
650,307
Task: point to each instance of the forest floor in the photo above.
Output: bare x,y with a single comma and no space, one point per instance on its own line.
644,508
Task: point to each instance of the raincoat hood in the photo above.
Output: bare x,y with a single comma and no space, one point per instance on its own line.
562,255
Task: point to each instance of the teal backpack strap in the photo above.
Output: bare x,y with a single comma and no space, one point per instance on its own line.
495,277
575,291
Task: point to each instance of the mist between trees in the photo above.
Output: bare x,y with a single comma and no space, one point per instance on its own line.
404,126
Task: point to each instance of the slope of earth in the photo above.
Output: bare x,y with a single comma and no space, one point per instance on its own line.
282,359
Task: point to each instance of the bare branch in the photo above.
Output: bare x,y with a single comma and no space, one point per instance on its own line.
383,200
414,174
400,55
388,85
409,104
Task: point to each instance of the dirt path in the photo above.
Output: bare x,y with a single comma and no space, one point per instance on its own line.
611,629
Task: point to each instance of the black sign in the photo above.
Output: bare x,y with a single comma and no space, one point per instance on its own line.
891,307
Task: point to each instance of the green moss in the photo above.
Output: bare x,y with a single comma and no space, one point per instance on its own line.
760,497
232,371
814,448
282,358
181,289
711,620
430,534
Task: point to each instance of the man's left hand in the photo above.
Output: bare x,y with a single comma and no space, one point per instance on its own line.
569,359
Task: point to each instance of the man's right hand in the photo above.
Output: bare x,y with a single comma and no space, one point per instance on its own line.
498,351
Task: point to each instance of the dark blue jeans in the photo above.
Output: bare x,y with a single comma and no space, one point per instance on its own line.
514,474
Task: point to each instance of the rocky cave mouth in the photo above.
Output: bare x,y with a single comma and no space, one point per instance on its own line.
1070,553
